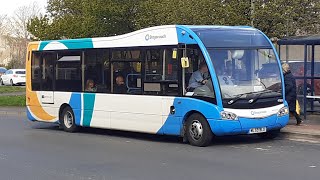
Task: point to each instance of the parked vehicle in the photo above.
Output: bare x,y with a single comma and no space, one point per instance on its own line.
13,77
2,70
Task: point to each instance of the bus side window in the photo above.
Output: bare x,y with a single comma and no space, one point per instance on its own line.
68,71
97,66
126,71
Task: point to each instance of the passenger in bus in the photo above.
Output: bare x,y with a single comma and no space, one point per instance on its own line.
120,87
224,75
90,86
199,77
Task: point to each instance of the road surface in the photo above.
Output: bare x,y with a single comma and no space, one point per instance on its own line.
41,151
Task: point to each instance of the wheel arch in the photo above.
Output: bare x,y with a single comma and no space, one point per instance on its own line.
186,116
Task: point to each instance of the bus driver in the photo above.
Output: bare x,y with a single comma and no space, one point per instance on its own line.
199,77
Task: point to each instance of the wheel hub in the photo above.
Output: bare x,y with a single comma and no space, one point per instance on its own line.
196,130
68,119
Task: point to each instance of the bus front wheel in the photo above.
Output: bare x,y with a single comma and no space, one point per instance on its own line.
198,131
67,120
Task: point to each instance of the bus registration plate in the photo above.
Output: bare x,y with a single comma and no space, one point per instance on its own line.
257,130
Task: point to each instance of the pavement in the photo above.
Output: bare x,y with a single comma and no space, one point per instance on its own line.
310,127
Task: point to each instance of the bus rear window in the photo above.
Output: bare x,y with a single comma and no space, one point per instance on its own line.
20,72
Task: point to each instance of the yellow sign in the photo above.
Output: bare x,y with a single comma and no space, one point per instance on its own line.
174,54
185,62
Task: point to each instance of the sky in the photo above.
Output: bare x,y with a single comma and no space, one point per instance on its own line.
8,6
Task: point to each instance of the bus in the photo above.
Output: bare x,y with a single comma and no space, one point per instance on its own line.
142,82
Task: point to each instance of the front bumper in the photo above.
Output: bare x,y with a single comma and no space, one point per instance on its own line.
242,126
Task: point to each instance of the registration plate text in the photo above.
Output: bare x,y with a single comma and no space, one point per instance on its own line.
257,130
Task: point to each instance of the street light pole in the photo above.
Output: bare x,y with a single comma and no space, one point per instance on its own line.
252,12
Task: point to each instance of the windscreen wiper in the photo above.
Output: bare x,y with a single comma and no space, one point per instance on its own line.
238,97
259,94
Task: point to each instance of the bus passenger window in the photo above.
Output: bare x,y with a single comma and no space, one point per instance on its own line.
126,67
68,71
97,69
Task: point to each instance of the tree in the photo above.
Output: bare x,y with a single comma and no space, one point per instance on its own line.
211,12
87,18
2,24
93,18
17,24
18,35
279,18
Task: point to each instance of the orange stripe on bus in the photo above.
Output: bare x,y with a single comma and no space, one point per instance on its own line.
31,97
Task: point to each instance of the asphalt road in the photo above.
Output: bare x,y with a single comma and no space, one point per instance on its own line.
41,151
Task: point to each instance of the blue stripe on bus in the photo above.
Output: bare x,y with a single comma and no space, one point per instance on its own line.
29,115
88,106
70,43
75,103
185,37
184,105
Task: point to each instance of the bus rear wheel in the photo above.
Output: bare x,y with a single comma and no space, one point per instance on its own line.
67,120
198,131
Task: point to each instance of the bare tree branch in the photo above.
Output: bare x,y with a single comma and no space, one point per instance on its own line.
3,28
17,24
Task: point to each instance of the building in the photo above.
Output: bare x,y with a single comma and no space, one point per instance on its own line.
4,51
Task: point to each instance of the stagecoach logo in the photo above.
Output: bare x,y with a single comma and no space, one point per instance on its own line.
151,37
258,112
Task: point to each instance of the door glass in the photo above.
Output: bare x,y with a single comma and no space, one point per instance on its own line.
35,71
161,72
48,60
197,76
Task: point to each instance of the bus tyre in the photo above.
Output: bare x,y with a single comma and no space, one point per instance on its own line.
198,131
67,120
270,134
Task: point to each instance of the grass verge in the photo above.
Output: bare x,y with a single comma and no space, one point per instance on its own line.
13,100
9,89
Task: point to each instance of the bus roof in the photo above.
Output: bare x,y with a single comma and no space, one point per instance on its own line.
211,36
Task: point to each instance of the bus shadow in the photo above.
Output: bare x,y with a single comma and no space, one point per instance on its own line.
217,141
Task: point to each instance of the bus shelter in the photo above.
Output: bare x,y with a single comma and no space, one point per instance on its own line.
302,53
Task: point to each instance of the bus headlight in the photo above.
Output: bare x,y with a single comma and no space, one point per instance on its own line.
283,111
228,115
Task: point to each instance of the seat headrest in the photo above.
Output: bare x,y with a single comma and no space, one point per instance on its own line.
237,54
